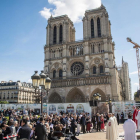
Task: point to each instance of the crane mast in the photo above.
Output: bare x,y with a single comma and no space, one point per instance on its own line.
137,56
138,64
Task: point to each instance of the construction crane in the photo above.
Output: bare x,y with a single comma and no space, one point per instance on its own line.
137,55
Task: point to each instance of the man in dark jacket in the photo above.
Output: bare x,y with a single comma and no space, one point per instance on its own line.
40,130
25,130
83,123
98,119
6,130
94,121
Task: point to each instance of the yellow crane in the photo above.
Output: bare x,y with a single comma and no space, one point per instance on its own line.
137,56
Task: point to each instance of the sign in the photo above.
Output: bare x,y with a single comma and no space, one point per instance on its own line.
52,109
44,108
70,108
61,108
79,108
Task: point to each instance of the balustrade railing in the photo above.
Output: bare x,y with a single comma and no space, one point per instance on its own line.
81,81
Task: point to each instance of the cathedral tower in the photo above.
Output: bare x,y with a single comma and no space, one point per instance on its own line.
79,69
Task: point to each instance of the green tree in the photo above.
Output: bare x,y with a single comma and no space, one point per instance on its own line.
3,102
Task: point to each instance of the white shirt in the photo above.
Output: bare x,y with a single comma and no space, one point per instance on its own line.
129,130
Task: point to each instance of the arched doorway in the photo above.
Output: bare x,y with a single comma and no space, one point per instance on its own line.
97,90
75,96
55,98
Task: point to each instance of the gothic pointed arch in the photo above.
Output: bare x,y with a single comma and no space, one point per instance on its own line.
75,95
101,69
54,73
55,98
98,90
99,27
94,69
60,73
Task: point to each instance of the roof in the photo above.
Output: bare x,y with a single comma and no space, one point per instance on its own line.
96,9
11,83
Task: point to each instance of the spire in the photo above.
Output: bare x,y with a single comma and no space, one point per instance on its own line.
51,16
122,60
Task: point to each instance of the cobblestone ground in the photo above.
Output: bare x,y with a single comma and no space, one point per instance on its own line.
97,135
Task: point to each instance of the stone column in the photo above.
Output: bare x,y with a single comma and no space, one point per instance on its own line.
64,32
85,28
95,28
51,35
47,35
88,29
64,68
103,25
105,45
86,48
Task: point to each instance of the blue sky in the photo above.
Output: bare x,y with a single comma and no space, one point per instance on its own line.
23,33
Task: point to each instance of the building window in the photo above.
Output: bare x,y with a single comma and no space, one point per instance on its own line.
77,68
54,74
60,73
94,70
92,28
99,27
92,49
101,69
54,35
60,34
99,48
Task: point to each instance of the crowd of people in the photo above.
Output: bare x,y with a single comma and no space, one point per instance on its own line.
25,124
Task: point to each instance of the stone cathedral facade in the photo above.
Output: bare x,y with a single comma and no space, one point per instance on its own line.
79,69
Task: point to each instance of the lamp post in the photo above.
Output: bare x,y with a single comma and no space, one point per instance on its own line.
47,86
109,102
97,98
41,80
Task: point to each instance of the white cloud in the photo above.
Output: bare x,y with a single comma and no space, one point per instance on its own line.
75,9
136,84
135,72
30,81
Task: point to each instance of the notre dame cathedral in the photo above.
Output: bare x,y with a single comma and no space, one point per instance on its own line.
79,69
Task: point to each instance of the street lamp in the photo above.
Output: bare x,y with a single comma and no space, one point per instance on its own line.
109,102
97,98
41,80
35,80
47,86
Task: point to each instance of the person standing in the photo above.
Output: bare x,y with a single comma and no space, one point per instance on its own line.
94,121
83,123
78,124
138,120
102,123
88,121
24,131
129,129
118,120
98,122
110,129
135,114
116,125
73,125
40,130
122,117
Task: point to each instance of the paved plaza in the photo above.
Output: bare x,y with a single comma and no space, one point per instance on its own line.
98,135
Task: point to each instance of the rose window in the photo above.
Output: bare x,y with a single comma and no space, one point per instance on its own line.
77,68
